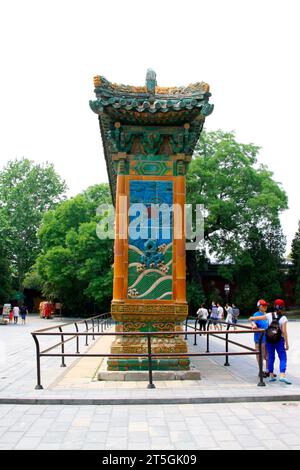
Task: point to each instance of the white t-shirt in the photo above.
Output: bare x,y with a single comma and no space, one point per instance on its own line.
281,321
202,313
16,311
220,312
229,316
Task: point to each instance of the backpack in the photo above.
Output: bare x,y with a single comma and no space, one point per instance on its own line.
273,332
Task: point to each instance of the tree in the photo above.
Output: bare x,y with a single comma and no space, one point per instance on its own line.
5,270
27,191
5,276
240,198
295,256
75,266
195,297
257,273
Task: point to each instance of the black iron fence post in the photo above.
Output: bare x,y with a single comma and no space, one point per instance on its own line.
261,382
195,336
38,364
77,339
186,327
62,349
227,349
93,325
86,336
150,384
207,341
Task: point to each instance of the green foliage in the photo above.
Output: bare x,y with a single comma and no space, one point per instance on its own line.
32,280
242,204
5,276
5,270
213,294
295,256
195,297
75,266
27,191
257,273
297,290
235,194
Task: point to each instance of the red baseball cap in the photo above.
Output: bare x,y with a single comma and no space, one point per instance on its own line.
279,303
262,302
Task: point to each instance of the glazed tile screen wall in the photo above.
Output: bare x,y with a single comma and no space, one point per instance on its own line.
150,240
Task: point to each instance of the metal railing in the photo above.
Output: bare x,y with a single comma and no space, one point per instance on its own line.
104,321
227,332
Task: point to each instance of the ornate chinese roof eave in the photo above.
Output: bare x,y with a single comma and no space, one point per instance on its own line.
105,125
136,107
148,106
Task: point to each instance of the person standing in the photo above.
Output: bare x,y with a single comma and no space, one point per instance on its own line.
277,340
235,312
259,321
11,315
16,311
220,314
24,312
213,315
229,317
202,315
235,315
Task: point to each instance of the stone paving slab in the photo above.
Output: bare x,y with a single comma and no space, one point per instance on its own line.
148,427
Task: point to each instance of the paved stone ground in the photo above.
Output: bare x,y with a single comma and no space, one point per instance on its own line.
18,372
148,427
17,356
265,425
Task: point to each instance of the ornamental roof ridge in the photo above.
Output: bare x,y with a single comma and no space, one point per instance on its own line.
151,87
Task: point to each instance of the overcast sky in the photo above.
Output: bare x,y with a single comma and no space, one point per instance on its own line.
248,51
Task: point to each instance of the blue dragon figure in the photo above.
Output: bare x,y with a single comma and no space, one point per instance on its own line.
152,257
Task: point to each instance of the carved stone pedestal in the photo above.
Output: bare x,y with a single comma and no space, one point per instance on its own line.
152,318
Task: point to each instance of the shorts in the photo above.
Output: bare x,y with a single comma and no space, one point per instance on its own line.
264,350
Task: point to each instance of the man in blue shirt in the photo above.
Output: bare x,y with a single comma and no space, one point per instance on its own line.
262,324
213,316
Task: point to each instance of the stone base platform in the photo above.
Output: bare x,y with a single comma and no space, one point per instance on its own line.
143,375
137,376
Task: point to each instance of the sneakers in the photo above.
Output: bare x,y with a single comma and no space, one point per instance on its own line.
285,380
274,379
267,374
